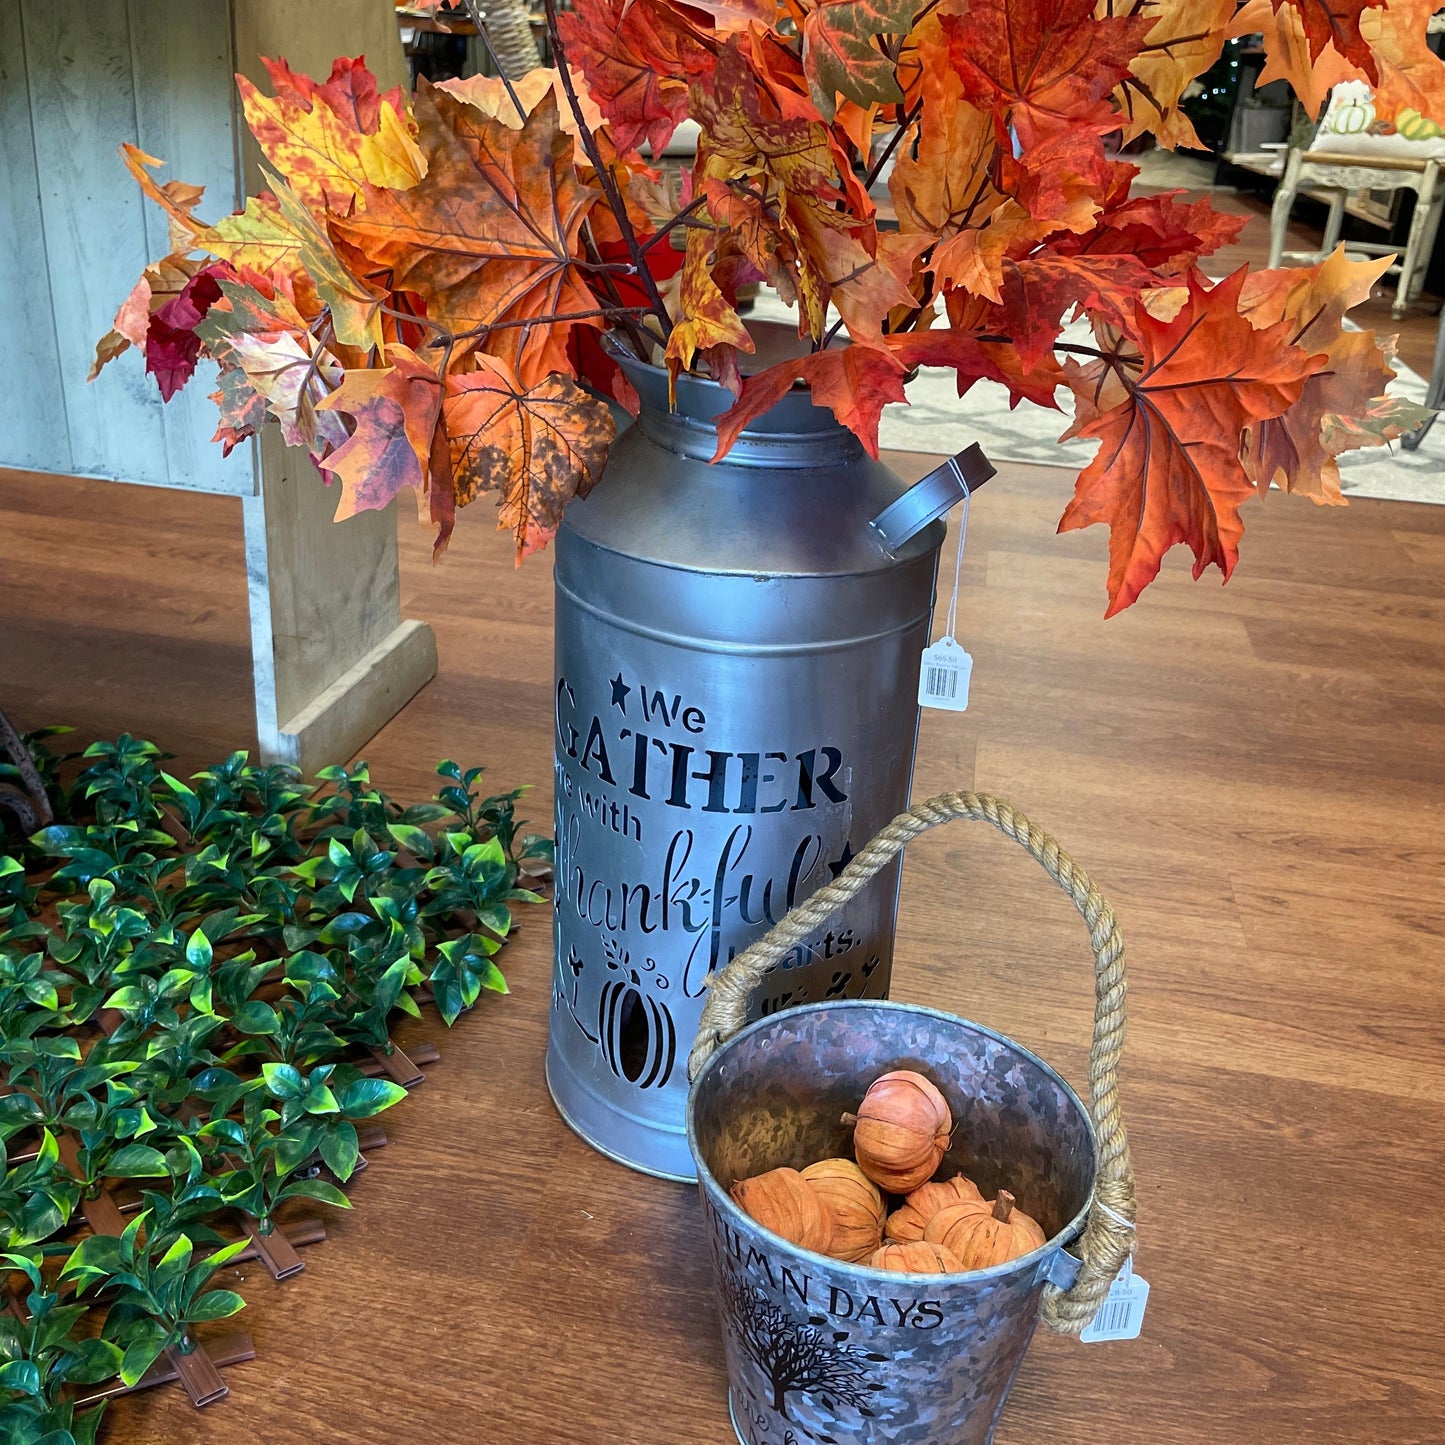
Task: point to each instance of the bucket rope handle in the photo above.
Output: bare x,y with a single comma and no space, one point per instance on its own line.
1109,1234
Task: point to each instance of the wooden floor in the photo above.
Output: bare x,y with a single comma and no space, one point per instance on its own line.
1256,775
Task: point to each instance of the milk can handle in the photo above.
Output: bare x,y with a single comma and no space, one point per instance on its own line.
1108,1237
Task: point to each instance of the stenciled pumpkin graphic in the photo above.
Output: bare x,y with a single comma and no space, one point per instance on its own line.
637,1035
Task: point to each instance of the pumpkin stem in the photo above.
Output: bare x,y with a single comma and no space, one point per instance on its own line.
1003,1206
850,1120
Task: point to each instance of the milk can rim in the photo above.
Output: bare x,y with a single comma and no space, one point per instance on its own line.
721,1198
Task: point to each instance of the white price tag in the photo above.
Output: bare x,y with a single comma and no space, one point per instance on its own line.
1121,1316
943,677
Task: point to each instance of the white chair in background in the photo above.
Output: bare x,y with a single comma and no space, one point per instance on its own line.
1352,152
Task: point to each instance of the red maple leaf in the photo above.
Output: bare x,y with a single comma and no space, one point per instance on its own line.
1165,234
172,345
1337,23
855,382
1044,66
639,57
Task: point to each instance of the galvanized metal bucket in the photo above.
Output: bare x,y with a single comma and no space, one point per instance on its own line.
823,1351
737,651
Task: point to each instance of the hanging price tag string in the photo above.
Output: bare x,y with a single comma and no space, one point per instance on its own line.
946,668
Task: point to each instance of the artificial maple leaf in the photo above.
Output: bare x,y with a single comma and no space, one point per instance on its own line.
159,282
1167,235
1336,23
705,317
1411,75
538,447
1187,38
854,382
177,199
315,133
1040,290
492,95
943,182
1344,404
355,307
1287,53
488,237
394,411
638,57
958,347
242,409
267,339
1168,468
841,55
1043,66
791,187
258,236
171,344
865,289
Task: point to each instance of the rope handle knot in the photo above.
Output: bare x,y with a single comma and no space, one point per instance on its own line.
1109,1233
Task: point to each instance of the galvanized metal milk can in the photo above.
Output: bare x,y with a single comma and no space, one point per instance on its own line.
737,659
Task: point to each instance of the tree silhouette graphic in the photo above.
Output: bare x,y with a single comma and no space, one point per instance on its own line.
796,1358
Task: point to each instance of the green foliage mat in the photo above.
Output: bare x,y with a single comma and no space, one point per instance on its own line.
197,981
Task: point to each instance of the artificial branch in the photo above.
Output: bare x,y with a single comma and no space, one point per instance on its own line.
605,177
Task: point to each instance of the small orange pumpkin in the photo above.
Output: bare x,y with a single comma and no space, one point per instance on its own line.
901,1131
983,1238
906,1222
915,1257
783,1201
855,1204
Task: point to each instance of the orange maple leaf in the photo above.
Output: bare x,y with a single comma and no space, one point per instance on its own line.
1344,404
1287,53
1168,470
855,382
538,447
1186,40
1407,75
705,316
488,237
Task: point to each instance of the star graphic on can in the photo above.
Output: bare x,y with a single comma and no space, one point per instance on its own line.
835,868
620,690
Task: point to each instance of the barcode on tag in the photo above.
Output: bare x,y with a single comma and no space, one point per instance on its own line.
941,682
943,676
1121,1316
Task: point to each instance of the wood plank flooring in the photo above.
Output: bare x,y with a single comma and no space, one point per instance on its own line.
1255,774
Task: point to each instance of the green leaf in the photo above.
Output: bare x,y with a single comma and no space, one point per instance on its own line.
316,1189
138,1161
129,999
93,1361
198,950
255,1016
140,1356
413,839
364,1098
22,1376
216,1304
284,1081
340,1149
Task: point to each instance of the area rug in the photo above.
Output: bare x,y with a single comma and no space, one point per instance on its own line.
937,419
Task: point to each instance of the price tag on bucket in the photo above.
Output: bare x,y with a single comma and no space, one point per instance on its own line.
946,668
1121,1316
